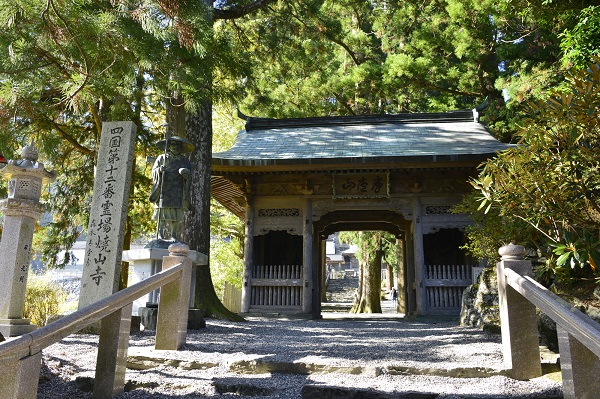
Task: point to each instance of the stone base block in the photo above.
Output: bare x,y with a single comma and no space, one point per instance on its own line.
196,319
148,317
135,324
15,327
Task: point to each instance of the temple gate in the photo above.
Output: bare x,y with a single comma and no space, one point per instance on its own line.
295,181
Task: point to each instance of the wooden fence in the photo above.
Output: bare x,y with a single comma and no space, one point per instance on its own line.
277,287
444,286
232,298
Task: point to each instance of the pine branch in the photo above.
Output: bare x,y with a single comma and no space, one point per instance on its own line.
81,51
432,86
71,139
97,120
238,12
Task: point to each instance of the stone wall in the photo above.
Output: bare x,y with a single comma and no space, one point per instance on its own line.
480,303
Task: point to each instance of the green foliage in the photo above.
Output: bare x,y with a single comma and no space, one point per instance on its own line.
225,263
43,300
226,248
67,66
491,230
369,242
551,180
359,57
583,40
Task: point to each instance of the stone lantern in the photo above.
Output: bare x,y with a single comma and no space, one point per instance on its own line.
21,210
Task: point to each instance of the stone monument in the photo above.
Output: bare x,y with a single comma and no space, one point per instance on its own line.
104,243
21,209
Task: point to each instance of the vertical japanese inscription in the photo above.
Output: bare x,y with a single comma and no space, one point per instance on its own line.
104,244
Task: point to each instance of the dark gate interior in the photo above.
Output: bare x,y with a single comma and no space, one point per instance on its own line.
277,272
278,248
448,271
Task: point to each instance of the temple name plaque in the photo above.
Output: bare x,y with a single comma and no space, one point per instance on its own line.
361,185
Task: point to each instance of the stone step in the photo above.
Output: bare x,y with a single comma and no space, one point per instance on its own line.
341,289
325,392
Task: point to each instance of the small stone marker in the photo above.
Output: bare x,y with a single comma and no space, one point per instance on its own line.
102,264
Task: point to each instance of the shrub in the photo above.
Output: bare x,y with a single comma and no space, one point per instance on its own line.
42,300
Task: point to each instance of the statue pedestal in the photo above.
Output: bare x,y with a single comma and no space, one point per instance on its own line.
147,262
149,315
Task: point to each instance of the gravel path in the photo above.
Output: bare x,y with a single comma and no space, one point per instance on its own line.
232,360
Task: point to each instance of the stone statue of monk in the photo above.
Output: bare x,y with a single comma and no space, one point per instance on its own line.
171,187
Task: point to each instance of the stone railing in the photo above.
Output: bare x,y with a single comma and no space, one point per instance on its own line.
578,335
20,358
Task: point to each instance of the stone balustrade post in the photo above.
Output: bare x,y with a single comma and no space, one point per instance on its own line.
111,360
580,367
171,324
21,210
518,318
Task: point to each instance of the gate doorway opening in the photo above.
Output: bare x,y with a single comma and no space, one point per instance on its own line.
349,278
353,274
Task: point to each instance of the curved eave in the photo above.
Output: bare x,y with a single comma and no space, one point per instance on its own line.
223,165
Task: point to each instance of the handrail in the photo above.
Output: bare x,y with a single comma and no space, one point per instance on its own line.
520,296
43,337
570,318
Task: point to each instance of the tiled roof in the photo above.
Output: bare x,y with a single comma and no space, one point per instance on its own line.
408,137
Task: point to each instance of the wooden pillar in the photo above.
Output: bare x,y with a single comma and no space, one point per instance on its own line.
309,282
419,257
321,265
318,257
248,255
401,277
410,275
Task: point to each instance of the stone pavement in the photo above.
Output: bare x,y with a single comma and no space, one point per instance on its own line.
297,358
341,356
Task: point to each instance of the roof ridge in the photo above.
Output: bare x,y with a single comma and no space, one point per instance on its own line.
253,123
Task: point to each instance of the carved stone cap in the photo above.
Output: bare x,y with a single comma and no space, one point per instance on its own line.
28,166
512,252
178,249
30,153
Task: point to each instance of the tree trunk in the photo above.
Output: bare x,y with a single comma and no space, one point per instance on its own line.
197,222
358,299
137,119
124,274
369,293
374,289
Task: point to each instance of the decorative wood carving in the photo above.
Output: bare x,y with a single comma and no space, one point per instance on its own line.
278,219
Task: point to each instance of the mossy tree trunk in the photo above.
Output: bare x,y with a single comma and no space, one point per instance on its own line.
369,293
198,126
